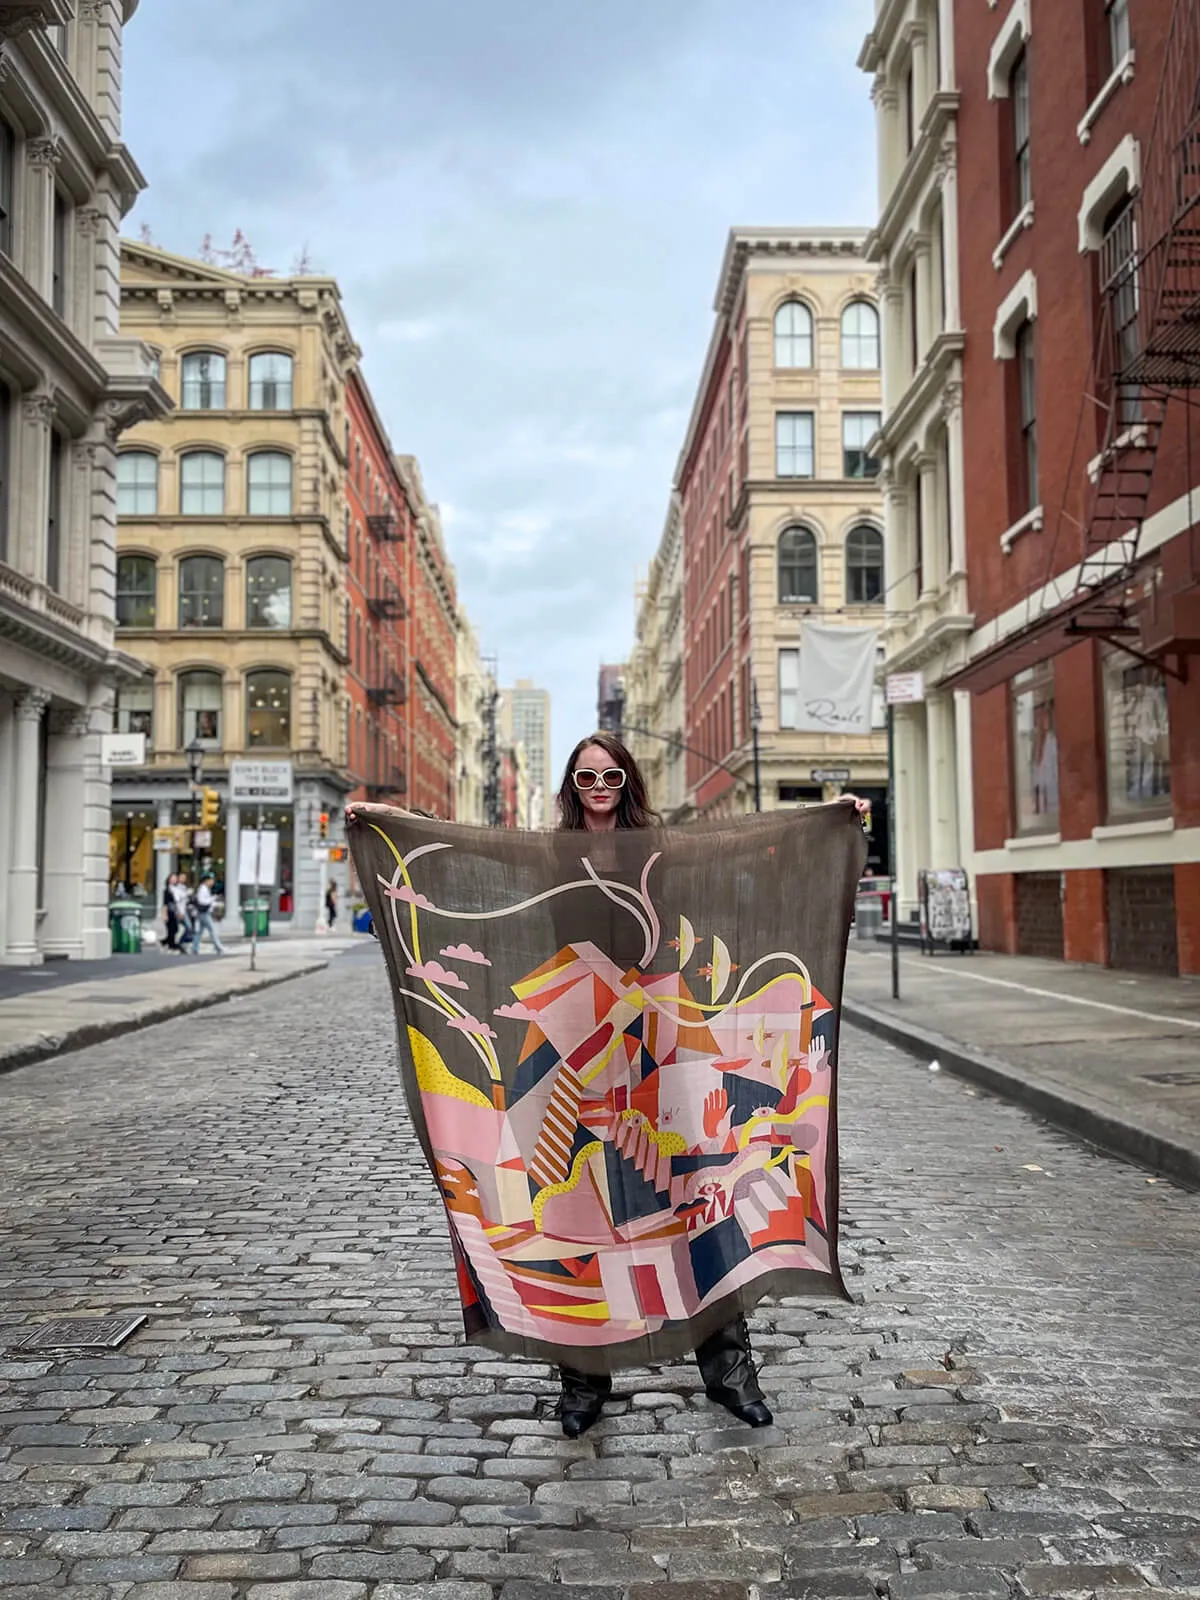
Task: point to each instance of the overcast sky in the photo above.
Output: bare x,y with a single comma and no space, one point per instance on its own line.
526,205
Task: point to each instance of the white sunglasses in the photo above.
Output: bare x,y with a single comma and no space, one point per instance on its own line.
610,778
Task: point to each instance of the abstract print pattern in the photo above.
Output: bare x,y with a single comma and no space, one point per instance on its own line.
627,1152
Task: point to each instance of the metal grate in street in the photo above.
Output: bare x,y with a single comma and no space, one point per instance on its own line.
79,1335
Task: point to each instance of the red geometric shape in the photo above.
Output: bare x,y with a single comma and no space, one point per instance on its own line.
649,1293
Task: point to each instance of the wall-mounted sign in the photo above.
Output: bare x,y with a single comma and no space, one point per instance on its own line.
831,774
905,688
123,749
260,783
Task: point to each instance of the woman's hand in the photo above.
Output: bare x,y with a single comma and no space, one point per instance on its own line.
860,805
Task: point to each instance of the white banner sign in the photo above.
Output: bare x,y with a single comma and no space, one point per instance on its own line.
260,783
837,679
123,749
255,866
905,688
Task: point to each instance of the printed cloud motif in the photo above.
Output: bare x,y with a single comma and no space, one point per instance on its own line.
463,952
410,897
519,1012
471,1025
435,972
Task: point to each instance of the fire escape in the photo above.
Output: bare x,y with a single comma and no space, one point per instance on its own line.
1146,357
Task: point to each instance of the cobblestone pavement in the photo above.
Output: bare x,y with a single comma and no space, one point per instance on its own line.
1012,1407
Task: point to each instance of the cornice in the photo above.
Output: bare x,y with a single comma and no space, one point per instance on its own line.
49,332
936,640
878,43
52,640
939,371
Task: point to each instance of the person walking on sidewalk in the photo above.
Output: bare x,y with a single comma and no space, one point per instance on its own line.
184,912
170,909
206,902
331,904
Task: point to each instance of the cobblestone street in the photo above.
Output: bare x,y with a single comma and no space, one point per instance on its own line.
1012,1407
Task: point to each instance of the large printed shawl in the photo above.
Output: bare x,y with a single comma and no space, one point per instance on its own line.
619,1052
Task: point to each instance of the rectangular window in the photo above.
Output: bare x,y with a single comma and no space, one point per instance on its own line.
858,429
54,507
1027,384
1120,40
1035,751
135,710
789,688
1018,88
909,109
8,168
914,320
1118,270
794,444
58,294
1137,738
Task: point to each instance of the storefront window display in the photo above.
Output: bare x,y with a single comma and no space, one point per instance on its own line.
1035,751
209,857
131,860
1137,737
282,821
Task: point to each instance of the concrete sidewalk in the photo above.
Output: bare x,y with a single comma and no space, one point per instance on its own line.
1113,1057
48,1016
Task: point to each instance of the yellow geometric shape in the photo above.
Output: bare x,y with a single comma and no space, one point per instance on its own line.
435,1077
571,1182
585,1311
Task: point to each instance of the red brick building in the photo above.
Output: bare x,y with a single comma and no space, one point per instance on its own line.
1079,196
379,591
433,638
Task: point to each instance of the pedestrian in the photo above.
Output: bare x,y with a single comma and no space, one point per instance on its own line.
331,904
184,912
206,902
171,914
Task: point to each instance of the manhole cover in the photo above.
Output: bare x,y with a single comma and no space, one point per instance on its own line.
80,1333
1176,1080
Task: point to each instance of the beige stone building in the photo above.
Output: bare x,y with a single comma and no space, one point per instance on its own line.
475,691
781,519
231,580
654,675
70,383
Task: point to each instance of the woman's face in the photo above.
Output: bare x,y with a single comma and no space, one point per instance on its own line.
599,802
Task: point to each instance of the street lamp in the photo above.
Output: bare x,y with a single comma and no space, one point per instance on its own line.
195,761
755,725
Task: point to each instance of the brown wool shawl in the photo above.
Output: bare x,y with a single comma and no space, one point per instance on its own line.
620,1056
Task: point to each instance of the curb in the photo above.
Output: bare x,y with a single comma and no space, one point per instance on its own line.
50,1046
1096,1126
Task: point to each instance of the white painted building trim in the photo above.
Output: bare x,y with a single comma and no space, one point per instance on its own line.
1143,848
1121,73
1032,522
1135,830
1121,174
1019,305
1007,46
1022,220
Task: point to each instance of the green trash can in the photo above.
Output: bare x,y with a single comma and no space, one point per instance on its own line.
256,912
125,926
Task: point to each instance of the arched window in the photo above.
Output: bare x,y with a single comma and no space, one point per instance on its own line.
793,335
137,585
137,484
203,387
202,484
864,567
201,592
797,567
269,484
860,337
268,592
200,709
271,381
268,710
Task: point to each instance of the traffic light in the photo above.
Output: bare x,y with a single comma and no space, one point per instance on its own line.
210,808
323,824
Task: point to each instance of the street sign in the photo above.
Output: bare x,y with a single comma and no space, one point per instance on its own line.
260,783
905,688
202,838
259,859
320,852
171,839
831,774
123,749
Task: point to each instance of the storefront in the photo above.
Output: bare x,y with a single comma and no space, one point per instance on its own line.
131,859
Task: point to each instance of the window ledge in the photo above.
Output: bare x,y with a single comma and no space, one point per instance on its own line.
1033,841
1022,220
1134,438
1133,830
1121,73
1032,522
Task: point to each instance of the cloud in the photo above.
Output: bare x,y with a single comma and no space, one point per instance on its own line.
463,952
526,209
471,1024
435,972
518,1012
410,897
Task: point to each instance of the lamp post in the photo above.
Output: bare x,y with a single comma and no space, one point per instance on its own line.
195,761
755,724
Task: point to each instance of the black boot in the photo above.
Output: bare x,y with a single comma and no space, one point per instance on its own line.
727,1367
583,1397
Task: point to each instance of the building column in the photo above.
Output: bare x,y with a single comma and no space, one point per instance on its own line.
912,804
66,835
22,947
42,156
232,923
923,303
956,487
27,527
947,167
7,805
943,786
927,524
164,860
895,363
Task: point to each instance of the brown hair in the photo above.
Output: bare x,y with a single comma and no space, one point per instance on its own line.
633,809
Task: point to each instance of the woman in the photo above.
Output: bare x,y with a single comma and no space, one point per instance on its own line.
171,914
603,790
331,904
